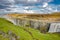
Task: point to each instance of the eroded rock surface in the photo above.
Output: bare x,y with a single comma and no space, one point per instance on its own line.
10,35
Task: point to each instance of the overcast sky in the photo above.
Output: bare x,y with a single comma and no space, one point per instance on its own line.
29,6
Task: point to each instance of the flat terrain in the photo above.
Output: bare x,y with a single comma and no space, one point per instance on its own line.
55,17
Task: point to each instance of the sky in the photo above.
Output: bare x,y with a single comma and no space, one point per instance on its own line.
29,6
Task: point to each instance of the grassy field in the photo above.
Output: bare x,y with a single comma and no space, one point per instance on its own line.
24,33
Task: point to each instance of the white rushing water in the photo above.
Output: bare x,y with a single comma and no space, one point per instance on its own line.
54,27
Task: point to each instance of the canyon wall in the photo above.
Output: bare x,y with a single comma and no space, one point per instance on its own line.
42,26
50,27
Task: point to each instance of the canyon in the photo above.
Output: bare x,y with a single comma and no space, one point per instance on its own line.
43,22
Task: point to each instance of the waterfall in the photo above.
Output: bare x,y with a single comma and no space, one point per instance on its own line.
54,27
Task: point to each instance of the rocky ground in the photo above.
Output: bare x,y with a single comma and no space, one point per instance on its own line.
9,35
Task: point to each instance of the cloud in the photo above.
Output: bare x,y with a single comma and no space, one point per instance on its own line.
28,6
32,0
23,2
6,2
45,4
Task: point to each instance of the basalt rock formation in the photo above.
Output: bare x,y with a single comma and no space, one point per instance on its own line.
38,21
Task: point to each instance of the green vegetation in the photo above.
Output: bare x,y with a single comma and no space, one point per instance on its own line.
25,33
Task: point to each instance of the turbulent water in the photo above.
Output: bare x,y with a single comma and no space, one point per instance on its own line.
54,27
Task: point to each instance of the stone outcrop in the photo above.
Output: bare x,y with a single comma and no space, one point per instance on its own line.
41,23
43,26
10,35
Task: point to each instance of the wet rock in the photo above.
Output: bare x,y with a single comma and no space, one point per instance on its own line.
44,27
